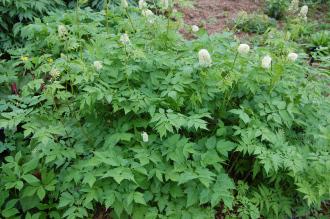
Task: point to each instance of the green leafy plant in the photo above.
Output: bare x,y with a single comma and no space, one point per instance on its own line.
321,39
115,110
14,13
276,8
253,23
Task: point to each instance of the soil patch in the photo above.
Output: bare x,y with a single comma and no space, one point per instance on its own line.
216,15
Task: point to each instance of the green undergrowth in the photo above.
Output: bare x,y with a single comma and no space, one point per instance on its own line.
234,138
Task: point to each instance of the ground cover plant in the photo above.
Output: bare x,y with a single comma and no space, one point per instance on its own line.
15,13
115,114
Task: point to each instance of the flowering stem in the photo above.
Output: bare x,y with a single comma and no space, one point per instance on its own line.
168,25
227,99
77,15
106,14
271,68
130,20
126,60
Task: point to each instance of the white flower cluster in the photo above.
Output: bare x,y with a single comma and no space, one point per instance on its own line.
62,31
98,65
294,6
145,137
243,49
54,73
303,12
124,39
292,56
147,13
194,28
204,57
142,4
266,62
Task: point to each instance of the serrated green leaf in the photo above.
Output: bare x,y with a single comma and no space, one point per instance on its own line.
31,179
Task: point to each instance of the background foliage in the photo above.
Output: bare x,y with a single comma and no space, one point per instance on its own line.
14,13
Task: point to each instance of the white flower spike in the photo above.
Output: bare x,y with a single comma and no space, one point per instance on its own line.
62,31
55,73
142,4
194,28
294,6
266,62
204,58
243,49
124,39
145,137
164,4
124,3
98,65
292,56
147,13
304,11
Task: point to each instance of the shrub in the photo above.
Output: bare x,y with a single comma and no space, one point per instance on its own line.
321,39
276,8
253,23
135,124
14,13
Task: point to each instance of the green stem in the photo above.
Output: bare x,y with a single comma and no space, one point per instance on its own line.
234,61
78,24
130,20
168,26
167,30
227,99
106,3
233,164
271,85
77,12
127,56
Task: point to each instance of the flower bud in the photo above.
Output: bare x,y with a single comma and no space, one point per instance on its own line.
204,58
145,137
292,56
24,58
266,62
194,28
55,73
243,49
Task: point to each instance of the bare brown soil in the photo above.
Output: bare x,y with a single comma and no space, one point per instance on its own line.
216,15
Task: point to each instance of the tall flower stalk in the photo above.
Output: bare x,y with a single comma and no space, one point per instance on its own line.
106,9
130,20
124,4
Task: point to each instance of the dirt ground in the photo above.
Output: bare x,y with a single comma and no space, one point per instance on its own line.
216,15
